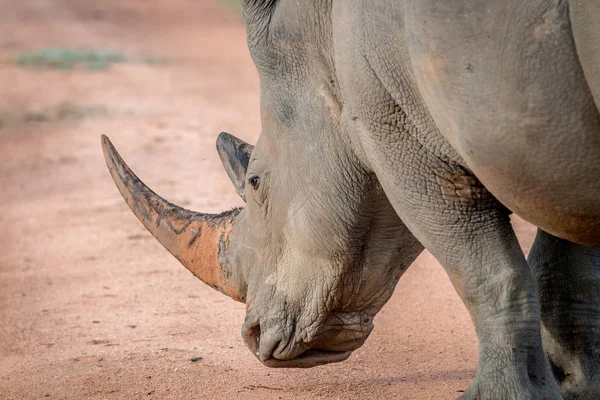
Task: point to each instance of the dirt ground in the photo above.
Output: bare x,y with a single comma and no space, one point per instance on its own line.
91,306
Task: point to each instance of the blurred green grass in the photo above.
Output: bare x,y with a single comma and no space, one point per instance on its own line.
93,60
58,112
60,58
235,3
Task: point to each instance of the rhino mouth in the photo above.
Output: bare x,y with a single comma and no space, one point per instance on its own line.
335,351
310,358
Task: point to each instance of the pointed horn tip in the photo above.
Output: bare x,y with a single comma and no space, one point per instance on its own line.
105,141
117,167
108,149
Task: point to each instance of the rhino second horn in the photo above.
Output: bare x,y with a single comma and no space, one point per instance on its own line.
196,239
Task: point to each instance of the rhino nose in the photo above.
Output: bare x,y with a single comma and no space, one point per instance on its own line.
251,336
261,344
266,347
261,347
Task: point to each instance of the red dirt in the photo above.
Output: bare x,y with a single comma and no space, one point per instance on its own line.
90,305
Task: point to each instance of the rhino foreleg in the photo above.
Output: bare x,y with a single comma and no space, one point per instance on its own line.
461,223
470,233
479,250
568,279
474,241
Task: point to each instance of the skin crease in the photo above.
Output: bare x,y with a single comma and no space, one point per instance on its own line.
390,126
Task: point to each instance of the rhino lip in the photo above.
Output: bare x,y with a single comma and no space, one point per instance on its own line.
310,358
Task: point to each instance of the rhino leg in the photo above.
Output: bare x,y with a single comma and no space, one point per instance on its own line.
473,239
469,232
453,215
568,279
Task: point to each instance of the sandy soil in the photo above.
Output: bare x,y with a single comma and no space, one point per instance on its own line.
90,305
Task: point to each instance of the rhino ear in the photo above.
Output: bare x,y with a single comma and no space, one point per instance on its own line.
235,156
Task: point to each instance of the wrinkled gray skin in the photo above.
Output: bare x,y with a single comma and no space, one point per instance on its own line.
389,126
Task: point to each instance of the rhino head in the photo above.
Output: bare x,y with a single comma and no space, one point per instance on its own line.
318,249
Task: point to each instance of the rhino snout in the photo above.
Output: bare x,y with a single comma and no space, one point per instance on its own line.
276,351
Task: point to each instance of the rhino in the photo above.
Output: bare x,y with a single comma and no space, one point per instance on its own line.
389,127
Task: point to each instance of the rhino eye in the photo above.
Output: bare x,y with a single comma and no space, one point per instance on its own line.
254,181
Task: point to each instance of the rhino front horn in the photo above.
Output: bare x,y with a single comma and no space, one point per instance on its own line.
197,240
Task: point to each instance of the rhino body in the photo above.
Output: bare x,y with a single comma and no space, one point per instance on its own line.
393,126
